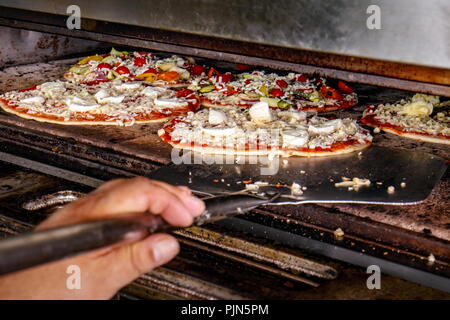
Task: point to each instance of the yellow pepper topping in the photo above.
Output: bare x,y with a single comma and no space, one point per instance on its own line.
144,75
151,77
90,58
263,90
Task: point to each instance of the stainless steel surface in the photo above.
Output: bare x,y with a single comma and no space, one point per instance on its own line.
382,166
287,261
412,31
244,260
51,170
184,286
24,46
339,253
379,73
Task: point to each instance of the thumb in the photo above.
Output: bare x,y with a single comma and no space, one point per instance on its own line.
130,261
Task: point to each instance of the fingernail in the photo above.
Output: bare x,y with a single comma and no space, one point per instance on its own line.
195,205
165,249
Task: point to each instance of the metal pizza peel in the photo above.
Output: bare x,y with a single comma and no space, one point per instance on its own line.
411,175
397,177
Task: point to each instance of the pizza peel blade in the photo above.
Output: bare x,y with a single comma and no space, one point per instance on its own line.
418,171
413,175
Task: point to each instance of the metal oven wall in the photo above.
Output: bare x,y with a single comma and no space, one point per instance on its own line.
21,46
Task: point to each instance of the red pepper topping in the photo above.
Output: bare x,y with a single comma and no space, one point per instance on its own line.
122,70
276,93
282,84
197,70
301,78
230,91
331,93
104,65
225,77
344,87
184,93
242,67
220,77
151,70
139,61
213,72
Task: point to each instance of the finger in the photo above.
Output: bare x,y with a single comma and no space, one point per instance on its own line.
130,261
127,196
146,190
192,203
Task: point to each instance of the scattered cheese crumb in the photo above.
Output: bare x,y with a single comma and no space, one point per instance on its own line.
251,187
353,184
376,130
344,184
431,258
296,189
391,189
339,233
302,171
403,184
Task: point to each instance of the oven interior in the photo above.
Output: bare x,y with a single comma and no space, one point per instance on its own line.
288,252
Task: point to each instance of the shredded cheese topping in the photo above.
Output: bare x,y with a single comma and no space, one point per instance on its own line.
120,101
240,130
421,113
92,68
252,87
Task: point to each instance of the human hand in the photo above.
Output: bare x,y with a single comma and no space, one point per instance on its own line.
105,271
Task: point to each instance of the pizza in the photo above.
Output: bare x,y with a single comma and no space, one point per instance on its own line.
421,117
260,130
279,91
107,103
173,71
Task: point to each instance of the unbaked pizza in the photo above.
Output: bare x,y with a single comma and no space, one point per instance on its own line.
421,117
260,130
106,103
173,71
280,91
